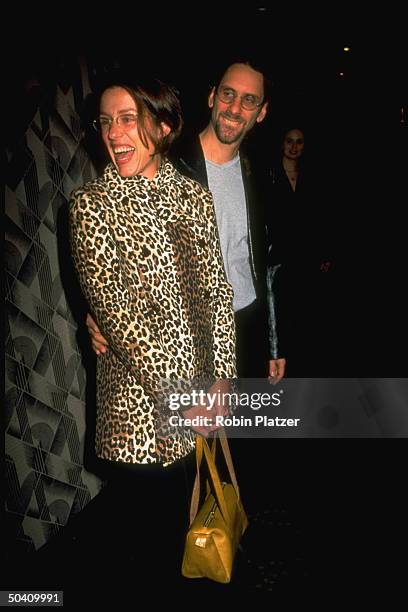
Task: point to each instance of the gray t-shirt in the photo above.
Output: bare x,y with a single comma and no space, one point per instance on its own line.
227,188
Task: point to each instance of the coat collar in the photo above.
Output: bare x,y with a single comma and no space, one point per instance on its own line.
164,175
167,198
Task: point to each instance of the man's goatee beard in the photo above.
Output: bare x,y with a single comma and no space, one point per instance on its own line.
225,138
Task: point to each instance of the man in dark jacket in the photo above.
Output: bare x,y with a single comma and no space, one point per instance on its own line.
215,159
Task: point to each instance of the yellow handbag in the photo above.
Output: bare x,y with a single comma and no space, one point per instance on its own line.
216,529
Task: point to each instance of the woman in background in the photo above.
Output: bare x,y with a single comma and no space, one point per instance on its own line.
300,267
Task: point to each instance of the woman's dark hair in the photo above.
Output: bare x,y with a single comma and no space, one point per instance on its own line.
285,130
281,135
156,103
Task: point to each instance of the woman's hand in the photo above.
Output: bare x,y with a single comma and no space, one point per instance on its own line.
210,410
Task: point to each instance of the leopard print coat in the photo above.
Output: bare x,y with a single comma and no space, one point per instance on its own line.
149,263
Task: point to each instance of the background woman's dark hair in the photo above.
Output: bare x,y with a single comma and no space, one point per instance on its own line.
157,101
279,137
288,128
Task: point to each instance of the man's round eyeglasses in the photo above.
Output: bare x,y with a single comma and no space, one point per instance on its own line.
104,124
229,95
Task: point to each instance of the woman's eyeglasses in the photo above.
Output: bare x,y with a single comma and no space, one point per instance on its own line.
104,124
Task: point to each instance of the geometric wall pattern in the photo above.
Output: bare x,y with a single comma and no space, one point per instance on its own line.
45,377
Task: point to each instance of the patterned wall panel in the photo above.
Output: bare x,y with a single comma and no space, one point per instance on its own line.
46,383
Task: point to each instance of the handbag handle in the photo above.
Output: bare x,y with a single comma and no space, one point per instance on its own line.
202,447
195,496
228,460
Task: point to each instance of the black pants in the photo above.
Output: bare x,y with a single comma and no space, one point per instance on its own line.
252,362
252,341
146,518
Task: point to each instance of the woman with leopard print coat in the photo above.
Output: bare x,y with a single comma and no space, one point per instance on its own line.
146,250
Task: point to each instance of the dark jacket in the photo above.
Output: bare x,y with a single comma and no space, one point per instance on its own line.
302,271
188,157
